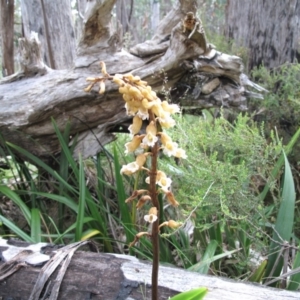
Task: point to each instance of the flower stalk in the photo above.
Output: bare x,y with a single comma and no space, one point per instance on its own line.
142,103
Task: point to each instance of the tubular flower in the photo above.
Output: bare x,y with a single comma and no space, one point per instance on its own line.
171,199
142,201
147,104
135,194
164,138
143,113
170,108
170,148
118,79
166,121
171,223
134,144
180,153
137,237
157,110
136,125
130,109
130,168
150,139
162,180
152,215
135,166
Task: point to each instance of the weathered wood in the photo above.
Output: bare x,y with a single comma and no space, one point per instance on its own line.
53,23
248,25
110,277
27,105
7,36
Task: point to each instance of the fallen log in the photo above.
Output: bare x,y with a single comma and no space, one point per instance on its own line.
177,59
88,275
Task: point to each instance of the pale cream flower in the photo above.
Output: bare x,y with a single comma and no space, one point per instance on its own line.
157,110
133,144
170,148
136,125
170,108
130,168
135,166
152,215
147,104
143,113
130,109
166,121
164,138
171,223
162,180
180,153
150,138
118,79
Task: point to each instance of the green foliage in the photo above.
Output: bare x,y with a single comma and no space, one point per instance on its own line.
233,162
196,294
281,106
236,158
284,224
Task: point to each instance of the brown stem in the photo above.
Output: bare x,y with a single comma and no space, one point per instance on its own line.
155,229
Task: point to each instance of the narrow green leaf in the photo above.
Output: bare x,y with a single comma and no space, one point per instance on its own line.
284,222
196,294
35,225
294,281
64,173
61,199
280,162
258,273
65,148
20,233
72,228
17,200
41,164
81,207
125,214
204,263
89,233
207,256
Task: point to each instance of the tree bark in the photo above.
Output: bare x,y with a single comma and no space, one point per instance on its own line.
269,30
52,20
173,59
7,36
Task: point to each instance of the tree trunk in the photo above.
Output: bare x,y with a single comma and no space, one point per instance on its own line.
155,14
270,30
87,275
7,36
197,76
52,20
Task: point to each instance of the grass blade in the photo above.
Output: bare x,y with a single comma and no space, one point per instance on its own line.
284,222
196,294
17,200
20,233
295,279
125,214
258,273
81,206
35,225
280,162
